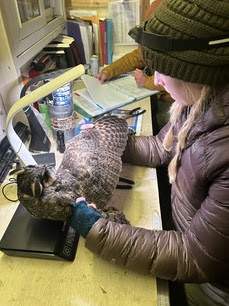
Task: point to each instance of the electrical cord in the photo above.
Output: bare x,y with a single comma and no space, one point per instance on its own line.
12,181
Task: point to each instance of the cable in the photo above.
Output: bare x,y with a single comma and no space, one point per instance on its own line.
12,181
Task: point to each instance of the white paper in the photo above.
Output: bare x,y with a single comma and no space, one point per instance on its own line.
2,120
85,39
125,15
103,94
85,103
76,12
129,86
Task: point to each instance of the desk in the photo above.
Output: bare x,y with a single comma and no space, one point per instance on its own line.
89,280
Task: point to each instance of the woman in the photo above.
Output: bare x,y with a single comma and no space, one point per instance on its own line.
133,61
194,144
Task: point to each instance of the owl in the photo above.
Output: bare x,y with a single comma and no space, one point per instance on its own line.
90,168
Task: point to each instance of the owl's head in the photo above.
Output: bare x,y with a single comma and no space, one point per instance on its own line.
31,180
41,193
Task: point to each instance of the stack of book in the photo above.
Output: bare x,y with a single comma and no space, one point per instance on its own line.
61,53
84,33
64,51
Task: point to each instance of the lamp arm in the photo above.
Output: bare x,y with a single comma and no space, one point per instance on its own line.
25,157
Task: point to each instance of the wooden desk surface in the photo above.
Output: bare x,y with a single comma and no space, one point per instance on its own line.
89,280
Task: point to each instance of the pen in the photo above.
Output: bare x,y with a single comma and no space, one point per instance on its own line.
144,70
99,106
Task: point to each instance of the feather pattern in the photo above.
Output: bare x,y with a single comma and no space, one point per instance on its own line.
90,168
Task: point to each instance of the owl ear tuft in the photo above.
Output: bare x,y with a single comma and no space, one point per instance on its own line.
49,176
17,171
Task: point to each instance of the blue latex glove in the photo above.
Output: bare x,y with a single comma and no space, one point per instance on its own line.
83,217
82,123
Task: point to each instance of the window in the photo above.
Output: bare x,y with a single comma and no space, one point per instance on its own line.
31,24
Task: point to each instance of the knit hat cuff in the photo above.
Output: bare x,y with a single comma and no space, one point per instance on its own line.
187,71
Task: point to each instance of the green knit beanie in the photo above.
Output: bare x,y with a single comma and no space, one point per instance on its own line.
191,19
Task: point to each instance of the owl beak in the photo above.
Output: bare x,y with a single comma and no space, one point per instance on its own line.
37,189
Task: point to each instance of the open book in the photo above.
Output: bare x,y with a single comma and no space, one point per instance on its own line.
96,98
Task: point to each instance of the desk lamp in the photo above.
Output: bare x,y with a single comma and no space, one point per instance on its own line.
24,156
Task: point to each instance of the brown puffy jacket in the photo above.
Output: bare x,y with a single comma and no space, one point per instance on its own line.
198,250
130,62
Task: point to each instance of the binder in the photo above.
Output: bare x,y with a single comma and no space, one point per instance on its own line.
96,98
109,35
73,30
103,36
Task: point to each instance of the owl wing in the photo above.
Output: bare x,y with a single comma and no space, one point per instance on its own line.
94,158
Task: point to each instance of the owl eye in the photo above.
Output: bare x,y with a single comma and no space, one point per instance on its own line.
37,189
49,177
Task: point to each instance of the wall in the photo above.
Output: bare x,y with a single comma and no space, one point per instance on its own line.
101,5
9,85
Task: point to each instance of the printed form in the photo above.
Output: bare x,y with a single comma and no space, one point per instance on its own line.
125,16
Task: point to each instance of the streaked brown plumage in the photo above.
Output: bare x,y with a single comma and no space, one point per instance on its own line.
90,168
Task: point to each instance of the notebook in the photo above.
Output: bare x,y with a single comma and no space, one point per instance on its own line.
97,98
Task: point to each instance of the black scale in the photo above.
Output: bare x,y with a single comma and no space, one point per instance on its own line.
27,236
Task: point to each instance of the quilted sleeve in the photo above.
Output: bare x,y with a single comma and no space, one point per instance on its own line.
147,150
199,254
163,254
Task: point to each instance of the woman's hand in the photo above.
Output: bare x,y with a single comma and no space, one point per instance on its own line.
140,77
84,124
83,217
101,76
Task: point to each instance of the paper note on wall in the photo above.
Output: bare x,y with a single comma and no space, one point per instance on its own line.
125,16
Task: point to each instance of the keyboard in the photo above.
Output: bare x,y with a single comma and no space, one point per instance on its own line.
7,155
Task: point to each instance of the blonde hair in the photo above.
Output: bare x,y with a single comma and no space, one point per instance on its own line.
196,110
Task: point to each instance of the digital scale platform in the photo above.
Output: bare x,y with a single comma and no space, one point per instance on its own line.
27,236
